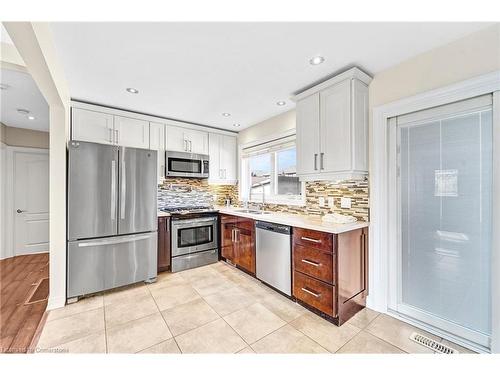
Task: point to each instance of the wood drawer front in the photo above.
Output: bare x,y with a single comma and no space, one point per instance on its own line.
313,262
314,293
311,238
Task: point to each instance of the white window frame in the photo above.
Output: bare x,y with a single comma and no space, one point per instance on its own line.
245,175
383,207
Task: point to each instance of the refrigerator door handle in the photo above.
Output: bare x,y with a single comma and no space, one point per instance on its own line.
113,189
114,241
123,191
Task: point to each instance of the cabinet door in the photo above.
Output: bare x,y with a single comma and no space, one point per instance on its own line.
245,244
91,126
175,139
308,133
131,132
197,141
228,225
157,142
228,159
163,244
335,129
214,143
360,126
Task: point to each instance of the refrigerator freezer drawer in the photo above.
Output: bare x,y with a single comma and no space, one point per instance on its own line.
100,264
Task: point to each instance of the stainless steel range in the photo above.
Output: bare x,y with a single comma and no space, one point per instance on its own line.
194,236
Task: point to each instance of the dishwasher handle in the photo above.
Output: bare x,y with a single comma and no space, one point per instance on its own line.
272,227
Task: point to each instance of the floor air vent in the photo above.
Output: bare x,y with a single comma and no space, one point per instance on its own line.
432,344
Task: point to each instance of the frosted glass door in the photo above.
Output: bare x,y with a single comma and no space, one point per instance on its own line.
445,188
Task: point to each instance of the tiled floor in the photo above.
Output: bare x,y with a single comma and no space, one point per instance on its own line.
214,309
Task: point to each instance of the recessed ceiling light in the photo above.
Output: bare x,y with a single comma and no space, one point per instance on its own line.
316,60
132,90
4,86
22,111
236,125
31,117
280,103
225,114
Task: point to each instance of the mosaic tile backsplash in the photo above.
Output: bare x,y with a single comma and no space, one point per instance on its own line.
178,191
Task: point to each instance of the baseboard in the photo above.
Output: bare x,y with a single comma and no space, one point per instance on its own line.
56,302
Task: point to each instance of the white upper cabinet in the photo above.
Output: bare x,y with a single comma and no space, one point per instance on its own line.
186,140
91,126
131,132
157,142
332,128
223,159
98,127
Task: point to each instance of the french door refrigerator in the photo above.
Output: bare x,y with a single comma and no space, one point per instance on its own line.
112,217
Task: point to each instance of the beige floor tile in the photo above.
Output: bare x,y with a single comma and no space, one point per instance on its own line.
365,343
166,347
283,307
287,340
124,293
125,310
254,322
397,333
327,334
166,280
85,304
247,350
199,273
363,318
229,301
188,316
137,335
214,337
60,331
212,284
460,349
175,295
94,343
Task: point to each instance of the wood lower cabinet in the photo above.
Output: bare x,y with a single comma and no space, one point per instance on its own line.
164,257
238,241
330,271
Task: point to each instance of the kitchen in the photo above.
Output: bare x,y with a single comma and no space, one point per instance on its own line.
303,225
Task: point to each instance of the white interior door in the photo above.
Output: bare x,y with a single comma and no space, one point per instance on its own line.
445,218
31,202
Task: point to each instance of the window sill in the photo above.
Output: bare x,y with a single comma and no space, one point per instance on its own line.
283,202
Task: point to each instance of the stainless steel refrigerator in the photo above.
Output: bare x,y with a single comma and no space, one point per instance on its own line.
112,217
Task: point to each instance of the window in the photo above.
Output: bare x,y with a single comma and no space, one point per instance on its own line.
269,173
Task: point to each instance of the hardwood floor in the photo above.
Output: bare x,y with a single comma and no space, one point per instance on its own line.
19,319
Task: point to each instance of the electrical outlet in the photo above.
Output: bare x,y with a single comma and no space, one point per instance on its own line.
330,202
345,202
321,201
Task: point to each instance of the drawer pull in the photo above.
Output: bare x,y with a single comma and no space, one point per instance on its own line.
310,239
311,292
311,263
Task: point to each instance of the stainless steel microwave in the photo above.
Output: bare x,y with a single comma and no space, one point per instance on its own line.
186,164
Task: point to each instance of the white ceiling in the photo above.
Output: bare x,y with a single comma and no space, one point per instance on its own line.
196,71
22,93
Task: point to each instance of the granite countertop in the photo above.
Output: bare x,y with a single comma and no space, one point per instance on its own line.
293,220
300,221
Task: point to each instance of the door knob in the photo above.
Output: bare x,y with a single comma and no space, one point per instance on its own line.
19,211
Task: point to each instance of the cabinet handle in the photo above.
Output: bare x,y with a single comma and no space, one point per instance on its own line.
232,235
110,135
185,145
117,136
311,292
190,146
311,263
315,162
310,239
321,157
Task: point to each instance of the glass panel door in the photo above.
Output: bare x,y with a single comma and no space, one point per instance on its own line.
445,199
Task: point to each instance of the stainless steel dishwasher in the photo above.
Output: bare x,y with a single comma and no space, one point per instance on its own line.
273,255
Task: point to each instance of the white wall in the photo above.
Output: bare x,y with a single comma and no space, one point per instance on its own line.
3,185
275,125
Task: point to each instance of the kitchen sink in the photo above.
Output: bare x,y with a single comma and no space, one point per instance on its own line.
250,211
